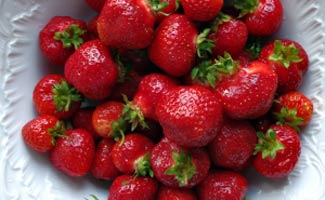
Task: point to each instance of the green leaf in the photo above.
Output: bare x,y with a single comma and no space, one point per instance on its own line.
143,166
57,131
204,45
254,46
71,36
246,6
268,144
94,197
133,115
64,95
289,117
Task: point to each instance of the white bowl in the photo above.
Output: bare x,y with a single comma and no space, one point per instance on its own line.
27,175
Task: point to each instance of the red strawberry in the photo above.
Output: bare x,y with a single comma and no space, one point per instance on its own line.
262,17
41,132
96,5
91,70
52,95
289,60
73,154
249,93
176,166
229,35
83,119
234,145
132,154
277,152
169,193
103,166
293,109
190,115
176,43
60,37
223,185
201,10
92,28
127,187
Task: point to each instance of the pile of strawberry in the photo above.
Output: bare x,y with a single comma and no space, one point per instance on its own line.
171,99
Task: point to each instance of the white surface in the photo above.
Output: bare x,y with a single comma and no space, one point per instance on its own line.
26,175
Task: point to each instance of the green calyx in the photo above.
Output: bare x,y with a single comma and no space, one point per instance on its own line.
64,95
71,36
94,197
211,71
57,131
220,19
183,168
157,6
285,54
246,6
253,46
204,45
133,115
268,144
118,129
142,166
289,117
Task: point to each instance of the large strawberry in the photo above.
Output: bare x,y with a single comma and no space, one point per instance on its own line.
190,115
91,70
278,151
176,44
201,10
177,166
60,37
168,193
52,95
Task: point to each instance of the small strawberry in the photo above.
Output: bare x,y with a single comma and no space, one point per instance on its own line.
52,95
60,37
234,145
96,5
190,115
277,152
225,185
41,132
201,10
293,109
176,166
262,17
176,44
73,153
169,193
91,70
127,187
83,119
103,166
289,60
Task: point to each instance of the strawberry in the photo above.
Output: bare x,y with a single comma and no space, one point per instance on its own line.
262,17
225,185
229,35
289,60
73,154
127,187
102,166
201,10
52,95
177,166
91,70
168,193
277,152
293,109
234,145
190,115
60,37
83,119
41,132
249,93
128,23
96,5
92,28
176,44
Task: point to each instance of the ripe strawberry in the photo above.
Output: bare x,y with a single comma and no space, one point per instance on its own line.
41,132
52,95
190,115
234,145
228,35
293,109
91,70
73,154
127,187
131,155
201,10
262,17
103,166
177,166
176,44
277,152
289,60
249,93
60,37
223,185
169,193
83,119
96,5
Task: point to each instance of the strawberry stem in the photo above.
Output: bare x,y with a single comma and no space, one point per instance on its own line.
57,131
246,6
118,130
71,36
220,19
64,95
142,166
157,6
203,44
268,144
132,114
254,46
289,117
